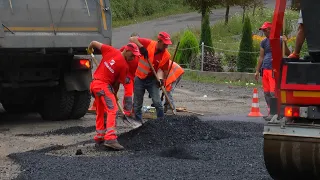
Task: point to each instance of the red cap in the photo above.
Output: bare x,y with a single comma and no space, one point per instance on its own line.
133,48
164,37
266,25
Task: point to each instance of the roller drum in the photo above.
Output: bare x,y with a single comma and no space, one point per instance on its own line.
290,157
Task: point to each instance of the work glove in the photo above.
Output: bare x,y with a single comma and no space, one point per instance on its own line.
144,52
90,51
127,81
160,83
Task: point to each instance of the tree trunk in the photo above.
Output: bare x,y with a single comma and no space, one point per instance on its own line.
244,12
254,9
227,15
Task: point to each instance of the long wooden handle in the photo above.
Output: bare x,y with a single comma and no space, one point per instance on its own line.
162,88
94,60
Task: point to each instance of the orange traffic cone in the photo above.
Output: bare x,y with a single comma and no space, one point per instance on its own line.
93,108
255,110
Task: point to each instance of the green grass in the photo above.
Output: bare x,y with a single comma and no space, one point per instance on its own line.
125,22
198,77
226,38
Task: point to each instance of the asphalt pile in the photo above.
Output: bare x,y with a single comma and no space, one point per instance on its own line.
176,148
171,132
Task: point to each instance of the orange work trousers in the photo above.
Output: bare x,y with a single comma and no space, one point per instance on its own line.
269,85
105,102
268,81
127,99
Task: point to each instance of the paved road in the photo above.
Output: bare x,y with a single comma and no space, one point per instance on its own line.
171,24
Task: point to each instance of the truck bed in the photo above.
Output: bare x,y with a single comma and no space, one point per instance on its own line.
67,25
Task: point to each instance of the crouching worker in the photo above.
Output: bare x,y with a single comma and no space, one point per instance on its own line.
111,71
172,81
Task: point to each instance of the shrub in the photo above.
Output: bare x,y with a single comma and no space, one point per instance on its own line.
246,61
206,33
189,45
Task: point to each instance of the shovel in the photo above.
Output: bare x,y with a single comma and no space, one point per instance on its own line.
127,120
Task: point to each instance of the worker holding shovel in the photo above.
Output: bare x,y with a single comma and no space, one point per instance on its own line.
173,79
112,71
154,53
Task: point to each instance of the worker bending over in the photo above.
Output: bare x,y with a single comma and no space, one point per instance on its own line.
111,71
172,81
300,39
128,88
265,64
157,53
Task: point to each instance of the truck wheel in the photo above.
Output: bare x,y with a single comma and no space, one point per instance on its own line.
57,105
81,104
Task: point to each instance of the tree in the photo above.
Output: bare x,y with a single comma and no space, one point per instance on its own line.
256,4
206,33
202,5
227,4
246,61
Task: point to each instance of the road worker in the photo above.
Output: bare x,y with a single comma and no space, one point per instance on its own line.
300,39
111,71
173,79
265,65
128,88
157,53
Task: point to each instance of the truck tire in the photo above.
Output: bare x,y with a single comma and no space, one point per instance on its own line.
81,104
57,105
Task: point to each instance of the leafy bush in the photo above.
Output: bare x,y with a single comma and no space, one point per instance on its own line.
246,61
189,45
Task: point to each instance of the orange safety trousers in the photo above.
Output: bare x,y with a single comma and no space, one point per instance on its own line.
269,85
127,99
268,82
105,102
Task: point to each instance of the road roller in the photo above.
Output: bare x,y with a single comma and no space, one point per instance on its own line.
292,138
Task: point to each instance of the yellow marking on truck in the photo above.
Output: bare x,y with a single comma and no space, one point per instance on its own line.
283,97
306,93
88,29
104,19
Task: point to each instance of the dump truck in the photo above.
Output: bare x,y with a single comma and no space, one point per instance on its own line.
292,138
44,66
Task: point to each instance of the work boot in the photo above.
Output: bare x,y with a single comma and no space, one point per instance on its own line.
113,144
99,145
267,118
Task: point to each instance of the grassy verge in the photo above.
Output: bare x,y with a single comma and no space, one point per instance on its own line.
226,38
198,77
125,22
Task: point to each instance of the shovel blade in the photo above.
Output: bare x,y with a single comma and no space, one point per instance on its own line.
131,122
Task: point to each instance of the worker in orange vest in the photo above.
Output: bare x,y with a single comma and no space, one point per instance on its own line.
157,53
172,81
128,88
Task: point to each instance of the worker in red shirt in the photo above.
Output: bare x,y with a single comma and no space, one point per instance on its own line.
128,88
157,53
111,71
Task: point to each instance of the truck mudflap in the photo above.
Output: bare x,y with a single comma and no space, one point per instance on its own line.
292,150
